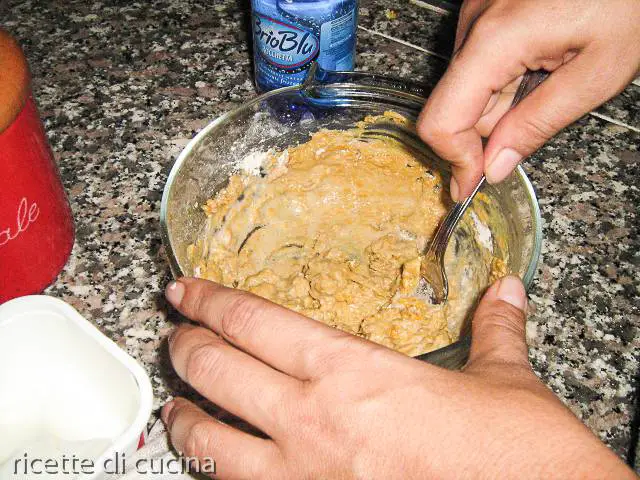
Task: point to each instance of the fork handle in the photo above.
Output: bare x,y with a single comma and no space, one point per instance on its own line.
530,81
437,248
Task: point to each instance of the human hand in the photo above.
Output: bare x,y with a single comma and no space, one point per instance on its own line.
337,406
592,49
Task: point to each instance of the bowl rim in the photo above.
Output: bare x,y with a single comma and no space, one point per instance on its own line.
438,356
176,270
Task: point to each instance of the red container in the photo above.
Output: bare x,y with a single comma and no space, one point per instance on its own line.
36,225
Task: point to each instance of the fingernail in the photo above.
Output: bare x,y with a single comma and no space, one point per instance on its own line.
512,291
454,189
174,292
166,410
501,165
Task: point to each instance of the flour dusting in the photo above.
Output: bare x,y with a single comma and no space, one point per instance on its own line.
252,162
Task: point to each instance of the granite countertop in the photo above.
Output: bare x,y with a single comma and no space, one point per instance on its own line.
123,86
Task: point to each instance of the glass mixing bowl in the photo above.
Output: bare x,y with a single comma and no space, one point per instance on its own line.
287,116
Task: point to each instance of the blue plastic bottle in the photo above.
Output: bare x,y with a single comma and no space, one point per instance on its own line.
288,35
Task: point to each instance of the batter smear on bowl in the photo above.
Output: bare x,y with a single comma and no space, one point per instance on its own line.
333,228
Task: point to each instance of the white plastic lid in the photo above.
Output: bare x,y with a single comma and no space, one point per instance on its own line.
65,389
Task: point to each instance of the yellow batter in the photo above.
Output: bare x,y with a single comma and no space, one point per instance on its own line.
333,230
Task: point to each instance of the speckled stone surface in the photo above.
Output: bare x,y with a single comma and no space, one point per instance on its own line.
122,87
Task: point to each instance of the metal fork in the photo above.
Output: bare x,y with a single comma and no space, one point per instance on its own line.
432,268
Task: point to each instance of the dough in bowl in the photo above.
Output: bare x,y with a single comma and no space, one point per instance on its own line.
333,228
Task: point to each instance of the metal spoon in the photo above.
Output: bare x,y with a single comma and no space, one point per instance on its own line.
432,268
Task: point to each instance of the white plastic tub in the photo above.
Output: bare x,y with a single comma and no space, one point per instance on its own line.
66,391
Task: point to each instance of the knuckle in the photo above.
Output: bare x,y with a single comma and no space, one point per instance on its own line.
193,300
240,316
185,339
177,339
506,317
204,362
177,411
492,31
539,130
432,129
382,357
485,28
197,297
185,334
341,350
199,440
319,358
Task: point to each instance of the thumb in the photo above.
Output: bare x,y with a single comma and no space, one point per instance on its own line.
571,91
498,327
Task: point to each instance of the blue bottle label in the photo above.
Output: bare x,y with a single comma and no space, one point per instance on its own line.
290,34
337,42
282,45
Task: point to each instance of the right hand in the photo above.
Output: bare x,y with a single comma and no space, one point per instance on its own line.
591,47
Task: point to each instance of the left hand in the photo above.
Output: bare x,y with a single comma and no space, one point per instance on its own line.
337,406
